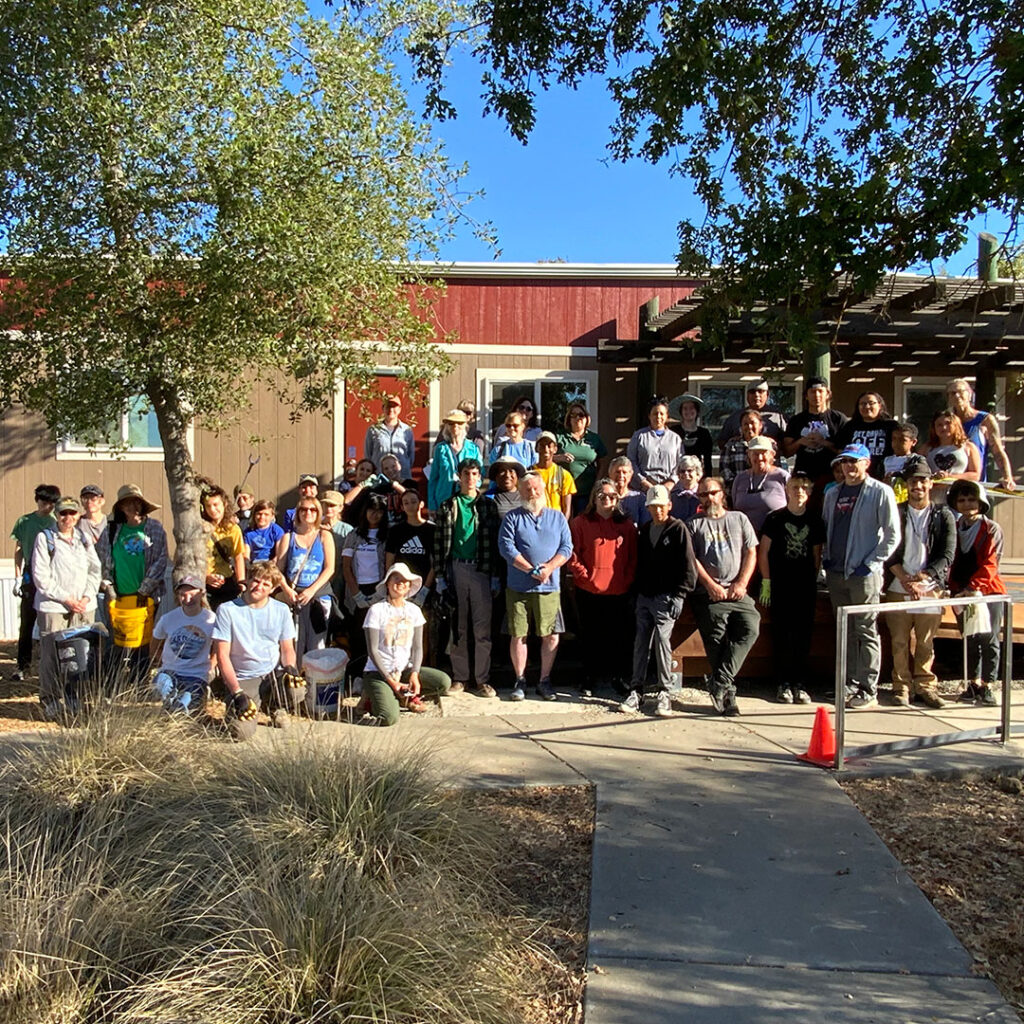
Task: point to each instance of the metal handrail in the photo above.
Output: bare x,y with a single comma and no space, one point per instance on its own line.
915,607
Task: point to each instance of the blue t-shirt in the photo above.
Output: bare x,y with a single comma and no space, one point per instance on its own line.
312,563
263,542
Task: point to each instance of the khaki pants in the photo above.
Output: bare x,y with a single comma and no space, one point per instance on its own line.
912,672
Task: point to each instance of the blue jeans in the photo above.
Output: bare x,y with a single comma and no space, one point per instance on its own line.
179,693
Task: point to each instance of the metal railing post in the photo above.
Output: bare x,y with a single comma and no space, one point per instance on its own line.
842,619
1007,665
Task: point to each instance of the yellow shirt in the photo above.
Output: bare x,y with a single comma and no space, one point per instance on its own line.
558,482
225,545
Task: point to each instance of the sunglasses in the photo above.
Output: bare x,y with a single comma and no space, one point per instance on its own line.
68,512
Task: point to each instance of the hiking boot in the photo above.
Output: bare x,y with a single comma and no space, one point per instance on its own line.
900,698
631,705
546,691
862,700
717,701
987,698
457,687
930,699
729,706
484,690
970,694
663,705
784,695
801,696
518,689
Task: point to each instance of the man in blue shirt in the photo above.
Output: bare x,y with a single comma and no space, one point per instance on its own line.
535,542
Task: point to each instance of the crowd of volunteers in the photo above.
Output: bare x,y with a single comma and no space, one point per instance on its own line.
537,532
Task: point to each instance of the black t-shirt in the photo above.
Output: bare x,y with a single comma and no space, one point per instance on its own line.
697,442
793,537
876,436
816,462
412,545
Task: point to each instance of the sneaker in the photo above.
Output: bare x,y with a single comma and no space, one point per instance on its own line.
484,690
371,720
631,705
901,699
19,675
862,700
784,695
801,696
729,706
457,688
986,698
970,694
930,699
53,711
663,706
518,689
280,719
546,691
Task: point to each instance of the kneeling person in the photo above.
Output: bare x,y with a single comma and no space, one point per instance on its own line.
394,676
181,646
252,636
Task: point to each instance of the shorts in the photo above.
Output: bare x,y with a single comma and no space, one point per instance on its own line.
540,608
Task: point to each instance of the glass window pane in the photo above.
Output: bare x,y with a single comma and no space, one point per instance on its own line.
922,403
501,397
110,434
783,397
143,431
720,401
555,396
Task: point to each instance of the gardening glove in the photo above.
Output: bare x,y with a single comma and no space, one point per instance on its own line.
361,600
242,707
765,597
441,584
291,677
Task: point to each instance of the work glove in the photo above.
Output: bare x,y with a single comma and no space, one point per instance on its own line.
291,677
361,600
441,584
765,597
242,707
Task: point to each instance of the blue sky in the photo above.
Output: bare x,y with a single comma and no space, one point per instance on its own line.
563,197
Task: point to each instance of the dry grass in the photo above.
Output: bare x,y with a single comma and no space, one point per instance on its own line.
153,874
963,843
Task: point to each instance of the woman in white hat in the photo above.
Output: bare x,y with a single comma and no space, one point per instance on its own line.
394,677
761,488
452,448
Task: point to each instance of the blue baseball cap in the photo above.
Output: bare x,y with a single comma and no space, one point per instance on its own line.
853,451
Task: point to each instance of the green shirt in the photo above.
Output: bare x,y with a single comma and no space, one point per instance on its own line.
129,558
25,531
464,539
585,455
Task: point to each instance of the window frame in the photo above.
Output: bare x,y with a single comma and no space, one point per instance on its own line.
487,376
70,450
698,381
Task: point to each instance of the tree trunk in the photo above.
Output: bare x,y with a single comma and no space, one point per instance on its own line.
190,556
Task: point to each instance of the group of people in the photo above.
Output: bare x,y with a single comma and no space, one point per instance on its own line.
402,581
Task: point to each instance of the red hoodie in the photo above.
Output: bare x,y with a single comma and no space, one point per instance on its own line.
603,553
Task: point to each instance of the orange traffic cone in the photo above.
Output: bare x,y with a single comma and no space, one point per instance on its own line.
822,749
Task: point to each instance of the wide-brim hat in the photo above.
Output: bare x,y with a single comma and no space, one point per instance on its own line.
400,569
760,444
675,407
968,487
506,462
455,416
134,491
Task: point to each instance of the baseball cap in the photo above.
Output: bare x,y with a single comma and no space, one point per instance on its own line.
309,478
758,385
545,435
657,495
67,505
191,582
853,451
91,491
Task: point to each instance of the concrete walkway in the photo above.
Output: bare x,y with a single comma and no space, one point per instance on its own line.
731,883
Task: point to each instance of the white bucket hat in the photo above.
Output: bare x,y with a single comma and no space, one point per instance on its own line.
400,569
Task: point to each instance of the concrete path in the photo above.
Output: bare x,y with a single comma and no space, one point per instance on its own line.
731,883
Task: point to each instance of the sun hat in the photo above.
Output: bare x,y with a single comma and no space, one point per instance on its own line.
506,462
760,444
399,569
853,451
332,498
455,416
676,405
134,491
658,495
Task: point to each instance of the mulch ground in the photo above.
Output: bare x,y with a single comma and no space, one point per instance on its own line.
963,844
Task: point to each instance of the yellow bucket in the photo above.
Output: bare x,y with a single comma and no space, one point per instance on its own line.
131,620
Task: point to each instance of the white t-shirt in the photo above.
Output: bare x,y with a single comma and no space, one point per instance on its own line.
915,550
395,626
365,555
187,642
255,635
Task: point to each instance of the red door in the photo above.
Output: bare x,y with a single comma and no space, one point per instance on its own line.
363,407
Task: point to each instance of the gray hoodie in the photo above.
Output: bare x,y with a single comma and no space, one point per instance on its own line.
874,528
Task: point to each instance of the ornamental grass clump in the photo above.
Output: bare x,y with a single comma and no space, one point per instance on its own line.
152,873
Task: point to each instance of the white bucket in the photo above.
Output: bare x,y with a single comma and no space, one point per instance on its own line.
325,671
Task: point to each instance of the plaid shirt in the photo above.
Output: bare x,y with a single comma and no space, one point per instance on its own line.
485,522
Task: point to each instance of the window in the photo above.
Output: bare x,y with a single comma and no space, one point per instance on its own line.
721,398
550,391
137,428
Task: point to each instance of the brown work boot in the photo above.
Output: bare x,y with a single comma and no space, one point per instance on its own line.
930,699
900,697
